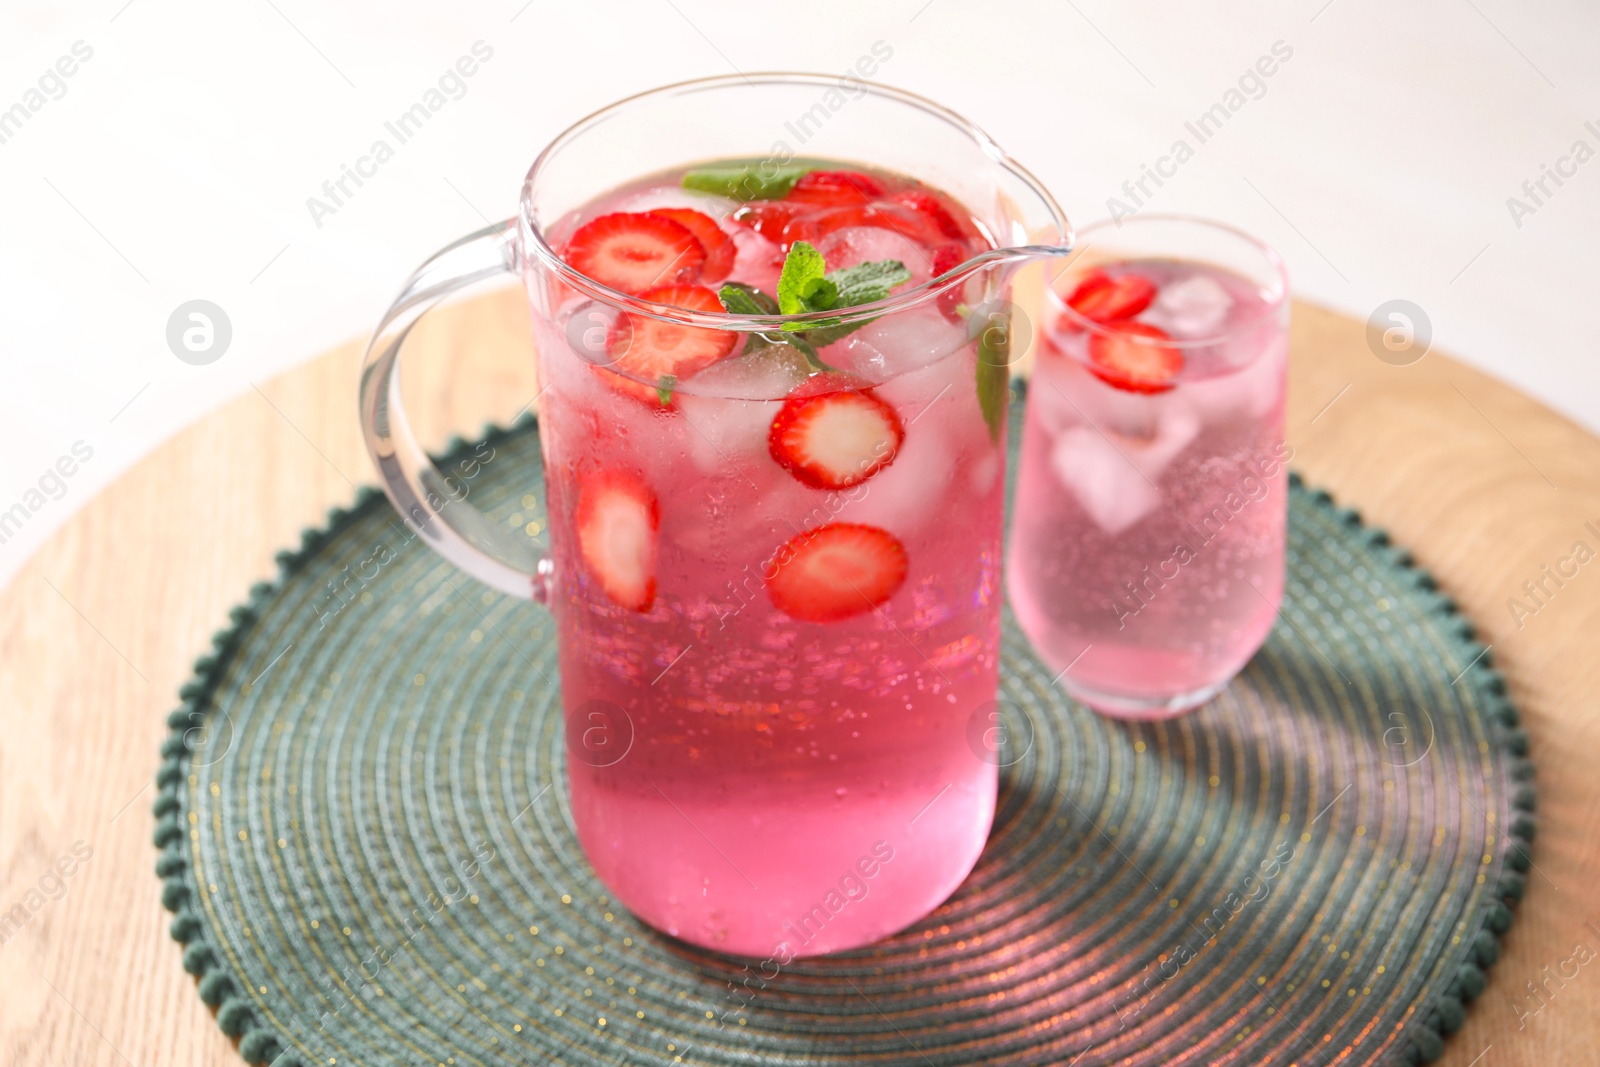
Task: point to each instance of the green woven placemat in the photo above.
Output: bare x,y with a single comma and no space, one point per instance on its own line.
363,832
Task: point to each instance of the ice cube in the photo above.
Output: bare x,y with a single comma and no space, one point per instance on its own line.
725,436
1105,484
1194,307
942,400
1114,474
853,245
767,373
904,496
735,528
985,469
759,261
1176,426
936,390
896,343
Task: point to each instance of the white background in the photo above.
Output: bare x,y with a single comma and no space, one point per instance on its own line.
178,163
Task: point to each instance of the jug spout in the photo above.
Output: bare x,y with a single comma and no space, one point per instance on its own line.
1026,226
1029,223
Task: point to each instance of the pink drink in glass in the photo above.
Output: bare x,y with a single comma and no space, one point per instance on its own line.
1146,558
758,764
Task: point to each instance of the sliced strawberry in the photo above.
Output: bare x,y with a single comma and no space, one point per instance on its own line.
947,258
719,247
831,433
835,187
1103,298
814,226
634,251
653,355
934,210
769,218
1135,357
617,522
836,571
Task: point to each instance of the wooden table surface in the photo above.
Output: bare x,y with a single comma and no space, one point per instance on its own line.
99,629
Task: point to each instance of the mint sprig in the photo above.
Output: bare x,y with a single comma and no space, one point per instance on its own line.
751,181
741,299
806,286
994,370
865,283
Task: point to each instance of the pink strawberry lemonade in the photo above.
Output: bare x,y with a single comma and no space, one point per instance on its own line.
776,574
1147,549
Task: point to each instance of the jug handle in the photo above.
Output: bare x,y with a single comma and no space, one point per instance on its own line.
493,553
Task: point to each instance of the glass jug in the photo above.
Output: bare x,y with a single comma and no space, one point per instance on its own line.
776,576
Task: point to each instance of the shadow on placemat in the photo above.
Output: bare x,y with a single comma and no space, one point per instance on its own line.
364,835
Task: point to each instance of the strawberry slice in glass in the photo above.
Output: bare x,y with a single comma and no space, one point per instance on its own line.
836,572
648,350
1104,298
633,251
617,522
719,247
835,187
1135,357
832,434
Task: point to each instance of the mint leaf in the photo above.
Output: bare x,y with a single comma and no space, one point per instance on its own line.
802,342
865,283
806,285
823,336
994,371
664,388
740,299
753,181
802,286
820,294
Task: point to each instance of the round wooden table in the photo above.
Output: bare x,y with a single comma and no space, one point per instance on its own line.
1490,489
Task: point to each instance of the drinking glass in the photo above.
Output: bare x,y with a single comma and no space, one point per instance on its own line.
1146,558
